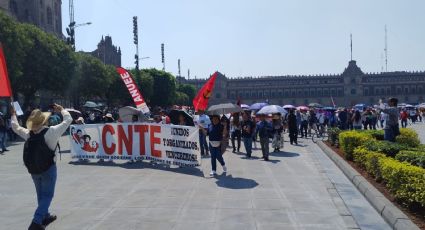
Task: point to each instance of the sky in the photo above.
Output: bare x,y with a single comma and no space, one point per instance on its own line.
257,37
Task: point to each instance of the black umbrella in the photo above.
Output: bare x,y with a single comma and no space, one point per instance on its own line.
174,117
75,114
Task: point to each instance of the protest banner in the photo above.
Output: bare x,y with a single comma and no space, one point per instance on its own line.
166,144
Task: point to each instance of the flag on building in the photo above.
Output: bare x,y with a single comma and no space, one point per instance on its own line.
5,89
200,102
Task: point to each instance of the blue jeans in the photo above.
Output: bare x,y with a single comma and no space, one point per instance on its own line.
203,142
247,142
389,135
2,140
216,156
45,188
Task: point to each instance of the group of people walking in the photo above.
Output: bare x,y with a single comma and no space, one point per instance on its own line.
238,128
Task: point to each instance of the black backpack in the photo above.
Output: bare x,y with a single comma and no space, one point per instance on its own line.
38,157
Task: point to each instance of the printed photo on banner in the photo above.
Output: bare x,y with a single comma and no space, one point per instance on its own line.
161,143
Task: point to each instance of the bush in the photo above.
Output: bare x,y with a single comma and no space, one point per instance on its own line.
405,181
388,148
350,140
408,137
377,134
413,157
373,166
333,135
369,160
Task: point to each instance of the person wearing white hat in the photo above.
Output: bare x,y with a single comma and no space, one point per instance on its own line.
44,179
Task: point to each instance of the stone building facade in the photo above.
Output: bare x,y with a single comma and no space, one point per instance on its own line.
351,87
45,14
107,52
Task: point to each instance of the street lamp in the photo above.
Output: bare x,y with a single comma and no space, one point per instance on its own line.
71,33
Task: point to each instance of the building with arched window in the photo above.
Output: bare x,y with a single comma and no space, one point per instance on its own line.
351,87
45,14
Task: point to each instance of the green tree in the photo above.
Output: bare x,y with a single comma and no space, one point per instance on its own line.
36,60
92,79
164,87
189,90
181,98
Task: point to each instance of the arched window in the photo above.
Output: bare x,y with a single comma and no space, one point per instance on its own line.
49,16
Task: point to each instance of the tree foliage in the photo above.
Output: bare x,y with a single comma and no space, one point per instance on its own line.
38,61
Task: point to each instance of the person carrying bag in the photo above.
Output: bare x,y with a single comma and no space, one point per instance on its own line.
39,158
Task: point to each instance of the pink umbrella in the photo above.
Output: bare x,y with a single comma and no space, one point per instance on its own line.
302,107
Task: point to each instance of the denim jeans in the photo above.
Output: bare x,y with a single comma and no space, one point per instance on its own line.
236,135
389,135
45,188
203,142
247,142
2,140
216,156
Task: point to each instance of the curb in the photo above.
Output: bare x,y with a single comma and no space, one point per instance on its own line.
392,215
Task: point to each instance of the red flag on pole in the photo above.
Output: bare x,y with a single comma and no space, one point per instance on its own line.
5,89
133,90
200,102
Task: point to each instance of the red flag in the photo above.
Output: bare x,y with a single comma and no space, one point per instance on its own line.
5,89
200,102
133,90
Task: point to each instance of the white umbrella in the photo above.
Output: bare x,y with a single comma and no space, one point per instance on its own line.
245,106
90,104
272,109
223,109
126,114
289,107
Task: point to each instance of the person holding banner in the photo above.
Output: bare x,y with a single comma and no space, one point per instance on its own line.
44,180
216,131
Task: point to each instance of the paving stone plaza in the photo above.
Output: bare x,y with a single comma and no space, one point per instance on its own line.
299,188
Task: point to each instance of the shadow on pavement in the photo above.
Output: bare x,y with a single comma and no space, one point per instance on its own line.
284,154
230,182
144,165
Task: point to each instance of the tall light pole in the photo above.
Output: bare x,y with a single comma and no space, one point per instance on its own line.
163,56
136,42
72,25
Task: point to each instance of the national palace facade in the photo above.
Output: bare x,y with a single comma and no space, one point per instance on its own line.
351,87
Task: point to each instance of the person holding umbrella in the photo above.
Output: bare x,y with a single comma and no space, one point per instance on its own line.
215,131
264,129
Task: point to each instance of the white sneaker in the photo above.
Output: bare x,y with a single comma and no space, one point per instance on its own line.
212,173
224,168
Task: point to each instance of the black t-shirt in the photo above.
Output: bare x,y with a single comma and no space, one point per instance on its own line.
244,125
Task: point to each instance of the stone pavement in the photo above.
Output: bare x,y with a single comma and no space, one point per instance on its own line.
300,188
420,129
